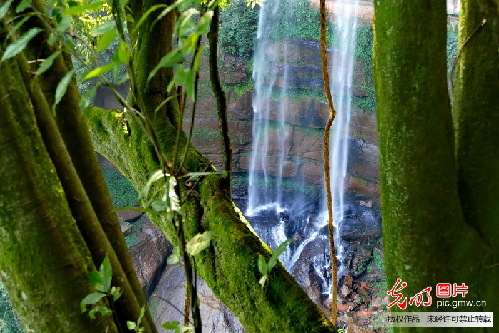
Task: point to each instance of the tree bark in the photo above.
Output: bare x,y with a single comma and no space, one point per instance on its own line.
45,262
427,238
475,110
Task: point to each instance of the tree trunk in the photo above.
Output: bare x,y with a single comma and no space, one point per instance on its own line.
25,96
45,262
426,237
476,102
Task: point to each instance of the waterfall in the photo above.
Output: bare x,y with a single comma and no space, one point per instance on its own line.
342,61
281,213
270,133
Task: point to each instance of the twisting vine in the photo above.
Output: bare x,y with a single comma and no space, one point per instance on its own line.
327,168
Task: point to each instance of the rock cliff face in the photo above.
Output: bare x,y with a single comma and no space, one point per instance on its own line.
307,114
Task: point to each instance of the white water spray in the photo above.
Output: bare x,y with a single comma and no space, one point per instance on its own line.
270,136
343,59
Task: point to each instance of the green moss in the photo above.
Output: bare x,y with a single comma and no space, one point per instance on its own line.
121,190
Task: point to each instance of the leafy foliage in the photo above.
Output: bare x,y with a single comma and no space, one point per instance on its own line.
237,32
135,326
101,281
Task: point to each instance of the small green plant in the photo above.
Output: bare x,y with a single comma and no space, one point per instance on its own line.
101,281
266,267
135,326
175,325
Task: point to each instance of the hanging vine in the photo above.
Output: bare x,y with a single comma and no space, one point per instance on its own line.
327,168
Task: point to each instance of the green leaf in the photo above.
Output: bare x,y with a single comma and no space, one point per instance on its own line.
190,81
263,280
204,23
159,205
141,315
19,24
189,44
96,281
90,299
106,273
106,39
123,53
103,310
185,24
105,27
280,249
63,86
64,25
198,243
199,174
5,8
131,325
197,60
116,293
76,10
170,59
100,70
262,265
155,176
45,65
24,4
170,325
166,11
174,257
145,16
20,44
179,76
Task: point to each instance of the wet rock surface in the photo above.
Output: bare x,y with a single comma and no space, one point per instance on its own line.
362,287
167,304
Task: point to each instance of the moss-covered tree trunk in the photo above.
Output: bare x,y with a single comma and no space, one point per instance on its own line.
427,238
71,233
45,262
476,113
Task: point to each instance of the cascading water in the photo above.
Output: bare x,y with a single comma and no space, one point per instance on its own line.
270,136
281,213
341,84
